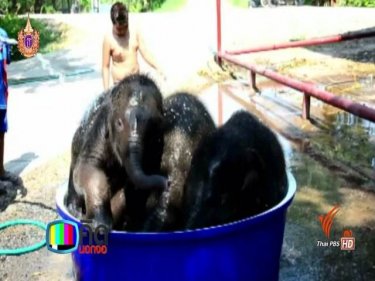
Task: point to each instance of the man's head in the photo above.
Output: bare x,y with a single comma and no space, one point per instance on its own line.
119,18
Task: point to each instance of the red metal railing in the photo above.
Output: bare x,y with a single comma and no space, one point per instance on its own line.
309,42
218,28
308,89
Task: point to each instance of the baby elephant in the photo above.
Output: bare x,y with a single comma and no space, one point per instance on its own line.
236,172
186,123
116,153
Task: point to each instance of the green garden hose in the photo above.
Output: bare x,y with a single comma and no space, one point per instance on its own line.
23,250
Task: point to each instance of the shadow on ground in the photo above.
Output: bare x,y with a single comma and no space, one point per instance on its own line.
19,164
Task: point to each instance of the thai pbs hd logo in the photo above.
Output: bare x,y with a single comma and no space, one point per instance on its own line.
64,237
347,241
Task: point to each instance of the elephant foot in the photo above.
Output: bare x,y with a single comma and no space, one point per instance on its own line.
100,217
76,206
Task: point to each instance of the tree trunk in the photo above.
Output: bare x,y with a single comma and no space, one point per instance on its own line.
54,5
14,5
38,5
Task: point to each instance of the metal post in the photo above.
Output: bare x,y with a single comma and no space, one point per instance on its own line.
306,106
218,29
253,83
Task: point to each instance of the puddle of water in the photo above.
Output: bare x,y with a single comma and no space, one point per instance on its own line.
361,87
348,138
341,135
62,77
50,73
46,65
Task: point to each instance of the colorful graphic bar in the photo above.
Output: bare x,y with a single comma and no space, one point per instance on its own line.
62,236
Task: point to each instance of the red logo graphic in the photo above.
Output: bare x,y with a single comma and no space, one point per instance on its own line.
327,220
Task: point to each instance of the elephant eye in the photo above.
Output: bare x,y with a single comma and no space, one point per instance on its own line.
119,125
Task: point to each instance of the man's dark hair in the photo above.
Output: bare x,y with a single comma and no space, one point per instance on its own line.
119,13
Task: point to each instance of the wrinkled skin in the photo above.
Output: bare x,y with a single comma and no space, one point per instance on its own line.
116,154
186,122
236,172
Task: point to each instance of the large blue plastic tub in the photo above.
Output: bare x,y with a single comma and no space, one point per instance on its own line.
241,251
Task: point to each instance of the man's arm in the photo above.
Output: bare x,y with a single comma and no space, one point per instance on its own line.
147,56
106,55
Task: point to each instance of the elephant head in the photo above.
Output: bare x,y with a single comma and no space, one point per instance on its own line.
135,130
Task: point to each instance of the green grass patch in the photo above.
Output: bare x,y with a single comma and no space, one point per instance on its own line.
240,3
50,34
171,5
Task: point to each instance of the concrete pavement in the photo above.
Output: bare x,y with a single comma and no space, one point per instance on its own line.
43,117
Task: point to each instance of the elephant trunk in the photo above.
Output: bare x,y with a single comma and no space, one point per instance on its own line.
134,163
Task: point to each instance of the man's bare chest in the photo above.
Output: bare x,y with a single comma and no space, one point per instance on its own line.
122,48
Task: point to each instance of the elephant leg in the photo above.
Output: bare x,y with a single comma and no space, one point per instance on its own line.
74,201
96,191
118,206
157,218
165,215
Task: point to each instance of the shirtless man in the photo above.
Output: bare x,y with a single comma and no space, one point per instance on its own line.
121,46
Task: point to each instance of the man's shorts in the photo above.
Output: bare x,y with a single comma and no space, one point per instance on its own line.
3,121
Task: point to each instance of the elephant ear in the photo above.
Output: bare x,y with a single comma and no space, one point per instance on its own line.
115,120
110,116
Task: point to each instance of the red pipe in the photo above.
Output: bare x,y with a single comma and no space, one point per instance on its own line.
308,88
309,42
218,28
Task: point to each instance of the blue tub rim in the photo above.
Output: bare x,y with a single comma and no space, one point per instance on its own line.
212,231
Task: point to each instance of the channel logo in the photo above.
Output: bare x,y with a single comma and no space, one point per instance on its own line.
62,236
326,221
347,241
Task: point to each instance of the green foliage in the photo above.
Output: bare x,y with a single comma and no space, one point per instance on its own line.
48,34
240,3
358,3
85,5
143,5
171,5
47,9
3,7
353,3
37,6
52,6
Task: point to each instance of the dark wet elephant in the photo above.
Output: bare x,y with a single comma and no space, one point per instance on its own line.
236,172
187,122
117,146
